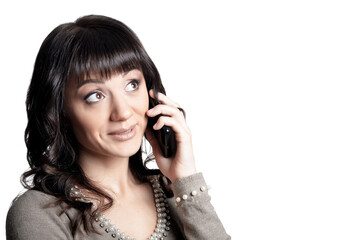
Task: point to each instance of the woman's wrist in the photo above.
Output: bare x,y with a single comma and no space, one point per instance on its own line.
183,175
188,184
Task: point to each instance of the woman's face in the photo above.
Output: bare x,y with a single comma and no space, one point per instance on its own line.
108,117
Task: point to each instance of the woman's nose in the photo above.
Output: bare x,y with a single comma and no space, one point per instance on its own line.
121,110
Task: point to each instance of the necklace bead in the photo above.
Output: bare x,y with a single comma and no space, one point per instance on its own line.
163,217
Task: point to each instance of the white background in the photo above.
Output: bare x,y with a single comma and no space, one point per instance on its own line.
272,94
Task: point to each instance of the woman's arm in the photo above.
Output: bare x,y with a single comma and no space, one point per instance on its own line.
192,205
182,164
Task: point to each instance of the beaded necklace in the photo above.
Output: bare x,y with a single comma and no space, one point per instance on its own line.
163,218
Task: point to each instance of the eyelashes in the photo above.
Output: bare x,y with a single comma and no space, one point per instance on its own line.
97,96
132,85
94,97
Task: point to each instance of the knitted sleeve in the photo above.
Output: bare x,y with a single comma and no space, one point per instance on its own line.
27,219
196,214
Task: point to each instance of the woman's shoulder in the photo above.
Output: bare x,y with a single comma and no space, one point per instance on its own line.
32,201
36,214
36,197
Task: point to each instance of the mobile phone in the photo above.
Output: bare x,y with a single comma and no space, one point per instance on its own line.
165,136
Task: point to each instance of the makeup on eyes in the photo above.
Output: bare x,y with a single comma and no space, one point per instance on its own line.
133,81
97,95
94,97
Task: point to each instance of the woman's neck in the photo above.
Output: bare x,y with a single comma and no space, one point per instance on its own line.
109,173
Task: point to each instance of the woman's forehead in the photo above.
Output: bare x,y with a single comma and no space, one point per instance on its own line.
79,80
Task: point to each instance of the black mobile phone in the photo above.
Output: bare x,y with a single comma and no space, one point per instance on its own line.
165,136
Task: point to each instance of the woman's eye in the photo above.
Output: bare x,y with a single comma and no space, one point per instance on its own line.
94,97
132,86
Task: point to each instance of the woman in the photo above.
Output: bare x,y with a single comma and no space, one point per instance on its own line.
92,91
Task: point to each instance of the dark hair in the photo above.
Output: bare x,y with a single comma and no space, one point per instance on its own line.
71,52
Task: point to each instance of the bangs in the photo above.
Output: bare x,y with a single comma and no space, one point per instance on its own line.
101,53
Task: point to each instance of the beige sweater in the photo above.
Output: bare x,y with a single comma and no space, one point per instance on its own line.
193,218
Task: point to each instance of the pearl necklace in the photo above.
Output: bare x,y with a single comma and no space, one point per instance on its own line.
163,217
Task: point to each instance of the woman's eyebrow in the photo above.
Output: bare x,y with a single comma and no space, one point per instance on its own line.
90,81
126,72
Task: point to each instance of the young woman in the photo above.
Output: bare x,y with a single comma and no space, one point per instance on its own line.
92,92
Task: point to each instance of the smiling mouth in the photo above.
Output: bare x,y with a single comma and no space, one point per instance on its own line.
123,135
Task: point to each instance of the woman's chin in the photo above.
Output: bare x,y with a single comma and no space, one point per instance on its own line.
126,150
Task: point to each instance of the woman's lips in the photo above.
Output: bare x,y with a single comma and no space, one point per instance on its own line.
124,134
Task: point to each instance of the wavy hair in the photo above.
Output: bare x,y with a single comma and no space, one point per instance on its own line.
71,52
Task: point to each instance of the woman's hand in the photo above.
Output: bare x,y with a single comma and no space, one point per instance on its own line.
182,164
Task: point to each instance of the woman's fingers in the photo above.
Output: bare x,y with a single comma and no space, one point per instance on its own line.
166,107
168,115
165,110
164,99
182,131
182,164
